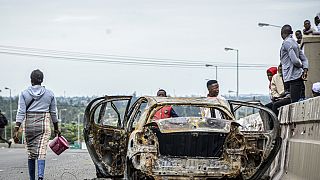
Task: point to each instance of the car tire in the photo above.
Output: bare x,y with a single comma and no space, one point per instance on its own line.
98,173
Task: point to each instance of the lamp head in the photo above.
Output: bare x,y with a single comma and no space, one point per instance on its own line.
263,24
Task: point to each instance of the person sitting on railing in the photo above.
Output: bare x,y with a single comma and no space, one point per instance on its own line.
316,89
270,73
317,23
280,94
308,30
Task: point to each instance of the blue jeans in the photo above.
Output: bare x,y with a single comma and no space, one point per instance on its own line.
32,168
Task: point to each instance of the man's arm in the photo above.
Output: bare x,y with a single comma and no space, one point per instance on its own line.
305,65
307,32
292,55
304,60
316,33
21,109
53,113
274,91
53,110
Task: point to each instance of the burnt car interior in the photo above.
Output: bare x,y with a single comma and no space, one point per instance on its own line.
191,145
196,131
198,144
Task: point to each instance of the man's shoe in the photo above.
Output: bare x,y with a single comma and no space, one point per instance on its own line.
9,144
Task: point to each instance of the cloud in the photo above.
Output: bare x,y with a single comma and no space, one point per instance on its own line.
293,5
69,18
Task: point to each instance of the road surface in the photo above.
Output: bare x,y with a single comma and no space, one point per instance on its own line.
71,164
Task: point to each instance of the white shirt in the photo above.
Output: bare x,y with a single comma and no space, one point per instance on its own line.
205,112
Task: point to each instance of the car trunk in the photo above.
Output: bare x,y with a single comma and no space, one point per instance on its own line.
191,144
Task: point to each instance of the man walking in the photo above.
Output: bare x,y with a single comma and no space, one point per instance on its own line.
294,64
3,123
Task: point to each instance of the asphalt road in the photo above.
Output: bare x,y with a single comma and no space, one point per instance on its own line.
71,164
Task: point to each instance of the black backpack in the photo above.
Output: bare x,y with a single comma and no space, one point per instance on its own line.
3,120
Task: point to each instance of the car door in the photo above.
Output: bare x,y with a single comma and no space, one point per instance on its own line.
260,126
105,135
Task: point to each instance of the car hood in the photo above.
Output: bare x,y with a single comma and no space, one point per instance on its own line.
192,124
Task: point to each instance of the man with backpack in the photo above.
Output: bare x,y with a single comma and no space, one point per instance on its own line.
3,123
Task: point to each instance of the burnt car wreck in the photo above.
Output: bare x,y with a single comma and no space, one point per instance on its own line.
131,141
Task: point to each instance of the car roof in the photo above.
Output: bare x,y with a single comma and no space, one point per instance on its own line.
186,100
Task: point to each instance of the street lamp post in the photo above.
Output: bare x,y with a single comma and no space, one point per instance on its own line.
5,128
59,114
79,117
216,72
210,65
232,49
266,24
59,117
10,111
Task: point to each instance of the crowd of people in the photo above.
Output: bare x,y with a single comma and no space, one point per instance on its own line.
286,83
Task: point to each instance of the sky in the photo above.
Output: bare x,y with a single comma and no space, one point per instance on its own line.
182,31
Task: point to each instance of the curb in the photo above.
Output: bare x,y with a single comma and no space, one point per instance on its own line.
5,145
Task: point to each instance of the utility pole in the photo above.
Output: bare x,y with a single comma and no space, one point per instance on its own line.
210,65
216,73
232,49
79,118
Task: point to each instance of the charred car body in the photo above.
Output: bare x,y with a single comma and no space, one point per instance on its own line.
126,140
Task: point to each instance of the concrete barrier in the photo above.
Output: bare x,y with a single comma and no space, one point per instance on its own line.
300,129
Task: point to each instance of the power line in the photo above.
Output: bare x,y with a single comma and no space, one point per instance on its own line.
125,63
77,59
26,49
116,59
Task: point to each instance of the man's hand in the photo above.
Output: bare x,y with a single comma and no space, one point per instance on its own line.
56,129
304,74
16,136
57,132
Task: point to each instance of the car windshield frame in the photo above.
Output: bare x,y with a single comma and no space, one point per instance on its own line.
192,124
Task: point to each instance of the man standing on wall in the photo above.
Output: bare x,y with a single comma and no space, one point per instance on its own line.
294,64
